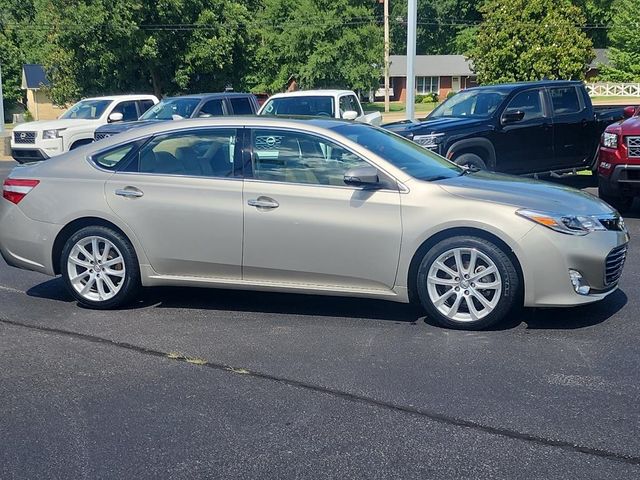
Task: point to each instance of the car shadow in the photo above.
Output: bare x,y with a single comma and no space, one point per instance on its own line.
341,307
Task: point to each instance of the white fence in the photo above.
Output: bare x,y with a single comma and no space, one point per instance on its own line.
605,89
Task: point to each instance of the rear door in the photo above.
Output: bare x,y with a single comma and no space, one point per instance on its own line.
572,127
182,196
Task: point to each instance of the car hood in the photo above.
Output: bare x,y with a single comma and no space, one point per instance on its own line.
118,127
55,124
525,193
436,125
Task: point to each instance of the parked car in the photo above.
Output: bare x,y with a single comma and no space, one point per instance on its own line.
202,105
343,104
36,141
519,128
619,161
311,206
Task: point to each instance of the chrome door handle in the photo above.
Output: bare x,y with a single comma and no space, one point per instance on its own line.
129,192
263,202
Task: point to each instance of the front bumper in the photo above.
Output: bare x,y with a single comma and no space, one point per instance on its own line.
42,149
24,242
624,181
26,155
547,257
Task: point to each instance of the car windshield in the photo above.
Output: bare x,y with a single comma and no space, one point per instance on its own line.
404,154
87,109
320,106
172,109
471,103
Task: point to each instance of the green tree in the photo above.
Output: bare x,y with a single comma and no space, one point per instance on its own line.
624,52
598,15
322,43
524,40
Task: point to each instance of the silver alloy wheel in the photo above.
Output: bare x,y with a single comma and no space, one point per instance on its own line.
464,284
96,269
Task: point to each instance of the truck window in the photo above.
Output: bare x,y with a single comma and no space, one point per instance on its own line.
128,110
298,105
144,105
241,106
564,100
349,103
529,102
213,108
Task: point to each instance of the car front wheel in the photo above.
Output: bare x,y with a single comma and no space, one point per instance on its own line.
467,283
100,268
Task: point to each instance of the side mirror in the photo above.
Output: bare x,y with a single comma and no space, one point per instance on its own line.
350,115
629,111
115,117
512,116
362,177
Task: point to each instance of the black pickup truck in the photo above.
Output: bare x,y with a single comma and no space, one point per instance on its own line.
518,128
188,106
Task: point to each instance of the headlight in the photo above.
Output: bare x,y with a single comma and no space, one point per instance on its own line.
569,224
429,141
50,134
610,140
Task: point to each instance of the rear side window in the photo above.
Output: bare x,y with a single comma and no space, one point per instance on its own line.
112,158
565,100
145,105
241,106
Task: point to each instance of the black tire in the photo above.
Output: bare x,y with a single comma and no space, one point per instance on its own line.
471,160
622,203
131,281
509,280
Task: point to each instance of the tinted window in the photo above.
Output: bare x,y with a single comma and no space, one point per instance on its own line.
171,109
213,108
87,109
283,156
207,153
470,103
127,109
313,106
529,102
112,158
145,105
400,152
349,103
241,106
564,100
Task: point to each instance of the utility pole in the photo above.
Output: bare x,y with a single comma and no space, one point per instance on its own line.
1,105
386,56
412,19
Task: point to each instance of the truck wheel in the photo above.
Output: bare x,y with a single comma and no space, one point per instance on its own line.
471,160
467,283
622,203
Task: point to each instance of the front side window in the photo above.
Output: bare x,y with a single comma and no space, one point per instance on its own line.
529,102
128,110
172,109
87,109
564,100
349,103
470,103
297,105
213,108
283,156
207,153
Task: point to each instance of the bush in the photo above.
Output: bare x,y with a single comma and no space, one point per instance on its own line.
430,98
27,116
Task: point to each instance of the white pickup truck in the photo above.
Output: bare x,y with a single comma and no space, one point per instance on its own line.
342,104
35,141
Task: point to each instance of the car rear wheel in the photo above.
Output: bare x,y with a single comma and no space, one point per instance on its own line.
467,283
100,268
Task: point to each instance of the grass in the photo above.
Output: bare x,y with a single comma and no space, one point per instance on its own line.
605,100
398,107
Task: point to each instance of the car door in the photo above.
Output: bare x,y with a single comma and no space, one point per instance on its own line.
572,127
526,144
304,226
181,194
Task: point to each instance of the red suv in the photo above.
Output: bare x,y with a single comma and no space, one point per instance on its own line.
619,161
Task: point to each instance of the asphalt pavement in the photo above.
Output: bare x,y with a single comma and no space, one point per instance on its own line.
194,383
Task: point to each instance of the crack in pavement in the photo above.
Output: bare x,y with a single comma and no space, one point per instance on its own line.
407,409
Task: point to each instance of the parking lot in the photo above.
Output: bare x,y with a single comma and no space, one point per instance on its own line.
191,383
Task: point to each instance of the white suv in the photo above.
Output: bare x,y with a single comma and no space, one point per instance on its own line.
35,141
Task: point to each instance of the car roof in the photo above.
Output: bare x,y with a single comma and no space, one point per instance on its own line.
124,97
313,93
509,87
211,95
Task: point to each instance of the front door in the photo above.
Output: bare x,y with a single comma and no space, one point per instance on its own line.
181,198
525,145
304,226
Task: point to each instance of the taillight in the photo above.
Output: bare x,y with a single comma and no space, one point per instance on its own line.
15,189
